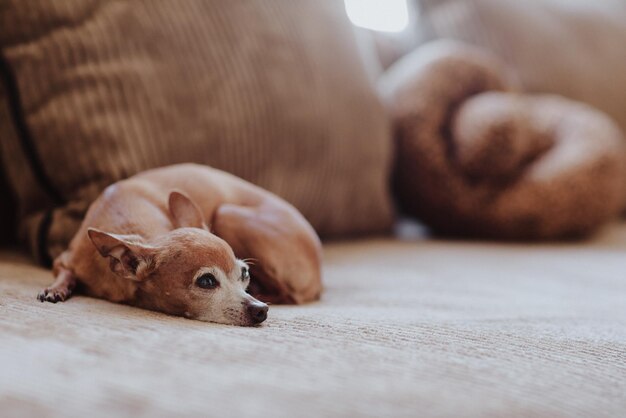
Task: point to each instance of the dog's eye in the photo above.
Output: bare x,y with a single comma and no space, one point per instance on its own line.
245,273
207,281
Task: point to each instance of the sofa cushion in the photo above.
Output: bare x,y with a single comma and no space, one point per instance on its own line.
272,91
405,328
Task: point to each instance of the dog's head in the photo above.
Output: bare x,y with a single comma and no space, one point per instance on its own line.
189,271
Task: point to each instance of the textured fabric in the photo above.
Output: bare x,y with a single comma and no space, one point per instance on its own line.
476,158
405,328
273,91
570,47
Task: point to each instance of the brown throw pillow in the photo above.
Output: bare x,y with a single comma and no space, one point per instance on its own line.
477,158
272,91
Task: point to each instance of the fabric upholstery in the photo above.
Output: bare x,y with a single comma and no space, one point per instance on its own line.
405,328
477,158
272,91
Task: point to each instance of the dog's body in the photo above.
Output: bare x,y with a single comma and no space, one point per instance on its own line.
144,242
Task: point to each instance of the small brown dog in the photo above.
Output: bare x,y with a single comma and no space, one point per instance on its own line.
144,242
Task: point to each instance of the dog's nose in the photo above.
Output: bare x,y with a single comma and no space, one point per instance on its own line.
257,311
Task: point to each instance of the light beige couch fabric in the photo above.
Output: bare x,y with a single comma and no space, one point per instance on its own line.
405,328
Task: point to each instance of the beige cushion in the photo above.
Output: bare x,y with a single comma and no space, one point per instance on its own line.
569,47
405,328
272,91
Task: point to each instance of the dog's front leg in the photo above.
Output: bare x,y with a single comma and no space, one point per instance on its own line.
61,289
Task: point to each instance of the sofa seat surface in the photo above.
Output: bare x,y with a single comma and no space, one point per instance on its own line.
413,327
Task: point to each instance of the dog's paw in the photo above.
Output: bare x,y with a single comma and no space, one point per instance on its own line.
53,295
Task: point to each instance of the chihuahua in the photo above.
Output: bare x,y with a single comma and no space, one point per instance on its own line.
146,242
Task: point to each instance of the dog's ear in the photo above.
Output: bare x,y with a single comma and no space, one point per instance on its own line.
128,256
185,213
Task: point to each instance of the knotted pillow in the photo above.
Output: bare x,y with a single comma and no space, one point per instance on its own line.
476,158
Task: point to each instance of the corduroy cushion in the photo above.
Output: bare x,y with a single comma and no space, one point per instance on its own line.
272,91
574,48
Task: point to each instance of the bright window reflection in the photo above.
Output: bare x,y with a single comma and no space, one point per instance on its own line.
381,15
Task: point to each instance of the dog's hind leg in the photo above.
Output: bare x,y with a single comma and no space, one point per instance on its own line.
61,289
284,251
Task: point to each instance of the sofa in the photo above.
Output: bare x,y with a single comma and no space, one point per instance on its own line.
409,323
407,326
